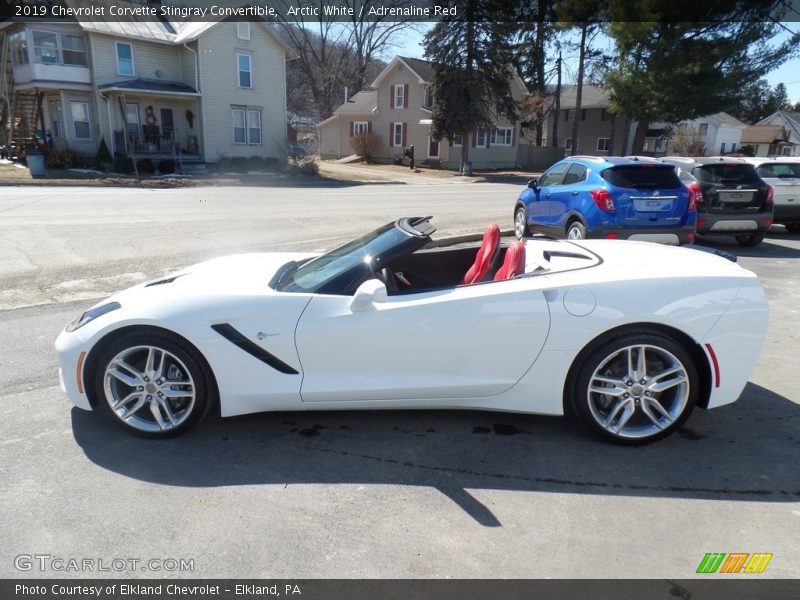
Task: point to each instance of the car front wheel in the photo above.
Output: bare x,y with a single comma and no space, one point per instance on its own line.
152,386
749,239
521,229
635,389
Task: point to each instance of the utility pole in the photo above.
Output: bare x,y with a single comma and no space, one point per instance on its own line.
556,114
579,92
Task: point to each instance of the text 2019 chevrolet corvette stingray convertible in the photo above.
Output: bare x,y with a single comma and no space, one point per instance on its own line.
627,336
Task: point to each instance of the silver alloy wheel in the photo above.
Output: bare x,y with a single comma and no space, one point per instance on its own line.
519,223
574,232
149,388
638,391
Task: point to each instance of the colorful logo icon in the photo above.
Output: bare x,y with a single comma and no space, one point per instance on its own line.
734,562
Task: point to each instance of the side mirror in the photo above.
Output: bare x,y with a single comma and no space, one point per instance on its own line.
367,294
534,184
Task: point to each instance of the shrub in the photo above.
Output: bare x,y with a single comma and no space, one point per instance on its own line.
123,164
366,145
271,164
64,159
145,166
306,167
166,165
255,163
103,156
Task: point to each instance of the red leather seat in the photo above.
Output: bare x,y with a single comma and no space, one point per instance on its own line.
513,263
483,259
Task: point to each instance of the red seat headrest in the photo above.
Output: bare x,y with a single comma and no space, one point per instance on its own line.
483,259
513,263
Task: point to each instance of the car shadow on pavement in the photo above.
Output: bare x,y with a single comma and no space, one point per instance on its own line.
745,451
766,249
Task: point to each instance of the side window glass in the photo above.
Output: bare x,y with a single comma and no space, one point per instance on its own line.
575,174
554,175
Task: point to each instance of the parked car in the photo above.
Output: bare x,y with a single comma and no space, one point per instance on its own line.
627,336
607,197
783,174
733,199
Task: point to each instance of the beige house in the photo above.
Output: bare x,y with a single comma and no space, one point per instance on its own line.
397,107
193,91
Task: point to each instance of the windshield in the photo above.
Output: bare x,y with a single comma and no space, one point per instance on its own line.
780,170
341,269
644,176
728,174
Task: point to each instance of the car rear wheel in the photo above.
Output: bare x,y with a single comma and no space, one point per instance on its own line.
793,227
152,386
576,231
749,239
521,229
635,389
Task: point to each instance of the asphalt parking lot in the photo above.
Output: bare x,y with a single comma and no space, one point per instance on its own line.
359,494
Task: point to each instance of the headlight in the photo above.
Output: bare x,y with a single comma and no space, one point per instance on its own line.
91,315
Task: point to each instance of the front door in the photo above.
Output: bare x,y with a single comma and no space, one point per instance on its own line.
433,148
467,342
167,128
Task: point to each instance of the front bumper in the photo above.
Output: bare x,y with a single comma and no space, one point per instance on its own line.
72,353
732,223
675,236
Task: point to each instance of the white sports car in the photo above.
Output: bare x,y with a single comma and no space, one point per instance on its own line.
627,336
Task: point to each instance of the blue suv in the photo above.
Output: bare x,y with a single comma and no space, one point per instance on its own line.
608,197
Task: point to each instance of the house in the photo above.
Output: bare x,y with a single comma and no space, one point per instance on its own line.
768,140
397,108
788,146
711,135
597,125
191,90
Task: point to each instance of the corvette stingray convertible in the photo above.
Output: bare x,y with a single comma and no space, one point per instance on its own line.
626,336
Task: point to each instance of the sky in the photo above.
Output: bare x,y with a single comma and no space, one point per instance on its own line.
788,73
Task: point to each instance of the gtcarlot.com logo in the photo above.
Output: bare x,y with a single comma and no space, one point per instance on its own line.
734,562
59,564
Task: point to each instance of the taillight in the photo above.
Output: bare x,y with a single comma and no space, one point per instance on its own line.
695,195
603,199
770,194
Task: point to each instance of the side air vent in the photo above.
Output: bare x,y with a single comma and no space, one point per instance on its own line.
162,281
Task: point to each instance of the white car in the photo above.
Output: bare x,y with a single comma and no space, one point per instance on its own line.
627,336
783,174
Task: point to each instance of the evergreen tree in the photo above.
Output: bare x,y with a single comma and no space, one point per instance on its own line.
472,69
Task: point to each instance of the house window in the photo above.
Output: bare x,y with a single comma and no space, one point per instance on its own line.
602,144
480,138
243,30
397,134
604,114
53,48
73,51
125,59
502,136
399,96
428,97
45,47
568,144
456,139
132,118
570,116
19,48
722,148
244,64
703,129
246,126
360,127
80,120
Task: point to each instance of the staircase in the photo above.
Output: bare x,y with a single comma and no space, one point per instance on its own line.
26,113
5,89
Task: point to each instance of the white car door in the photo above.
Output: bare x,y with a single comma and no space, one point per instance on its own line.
467,342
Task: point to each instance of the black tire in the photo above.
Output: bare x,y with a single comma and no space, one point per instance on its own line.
792,227
184,367
749,239
608,359
521,213
577,230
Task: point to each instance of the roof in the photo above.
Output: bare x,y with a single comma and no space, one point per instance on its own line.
592,96
422,68
763,134
363,102
725,119
150,85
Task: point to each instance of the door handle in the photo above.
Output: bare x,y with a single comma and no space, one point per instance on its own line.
575,193
547,196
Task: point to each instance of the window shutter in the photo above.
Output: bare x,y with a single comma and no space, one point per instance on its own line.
405,95
391,96
391,134
352,129
583,114
450,141
369,126
404,134
566,115
489,137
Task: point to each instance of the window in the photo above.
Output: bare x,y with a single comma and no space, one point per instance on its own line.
19,48
568,144
132,118
399,96
246,126
702,129
45,47
480,138
80,120
244,64
722,148
576,174
456,139
360,127
554,175
72,50
397,134
243,30
604,114
56,119
125,59
253,127
602,144
428,97
502,136
570,116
